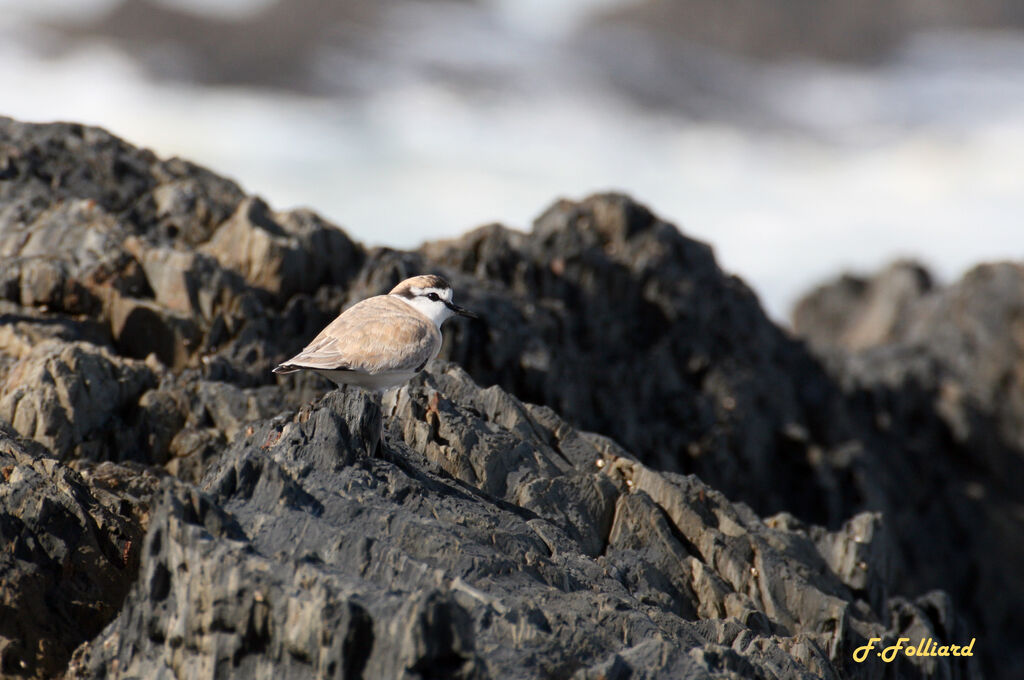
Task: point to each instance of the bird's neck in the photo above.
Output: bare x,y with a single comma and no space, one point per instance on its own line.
437,313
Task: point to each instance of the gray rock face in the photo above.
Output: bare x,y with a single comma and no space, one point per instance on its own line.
856,313
483,537
283,254
67,395
626,327
636,475
945,381
71,550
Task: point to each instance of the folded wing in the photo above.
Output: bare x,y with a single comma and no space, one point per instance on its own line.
378,335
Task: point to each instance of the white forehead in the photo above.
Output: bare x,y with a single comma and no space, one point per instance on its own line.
445,293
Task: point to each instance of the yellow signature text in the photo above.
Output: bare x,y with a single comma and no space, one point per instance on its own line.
926,647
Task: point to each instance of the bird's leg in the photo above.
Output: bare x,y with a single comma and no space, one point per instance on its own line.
378,397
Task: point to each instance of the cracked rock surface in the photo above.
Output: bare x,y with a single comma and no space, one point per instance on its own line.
482,537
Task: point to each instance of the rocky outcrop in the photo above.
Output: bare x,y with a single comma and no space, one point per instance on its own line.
482,537
943,377
965,339
636,475
854,313
67,396
283,254
624,326
71,548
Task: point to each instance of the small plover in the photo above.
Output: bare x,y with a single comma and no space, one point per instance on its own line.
383,341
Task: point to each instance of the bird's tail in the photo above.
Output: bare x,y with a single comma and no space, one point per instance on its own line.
286,368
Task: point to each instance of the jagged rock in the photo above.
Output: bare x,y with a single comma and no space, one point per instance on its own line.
945,382
178,278
186,205
192,450
855,313
343,551
45,283
71,548
973,330
186,421
22,329
55,259
140,328
70,397
601,293
45,165
111,237
83,401
860,553
283,254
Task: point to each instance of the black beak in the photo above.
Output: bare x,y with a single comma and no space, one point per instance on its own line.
461,311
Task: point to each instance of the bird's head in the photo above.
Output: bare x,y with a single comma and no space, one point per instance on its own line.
432,296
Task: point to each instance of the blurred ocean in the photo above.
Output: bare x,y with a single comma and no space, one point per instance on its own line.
445,116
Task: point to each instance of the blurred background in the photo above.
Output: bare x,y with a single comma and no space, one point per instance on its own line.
798,137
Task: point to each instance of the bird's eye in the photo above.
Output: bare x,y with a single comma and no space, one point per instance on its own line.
433,296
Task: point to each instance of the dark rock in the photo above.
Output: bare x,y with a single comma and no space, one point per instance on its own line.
186,205
182,281
192,450
965,342
47,284
22,329
140,328
49,164
55,258
601,293
70,397
860,554
71,548
855,313
283,254
943,380
113,236
352,554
